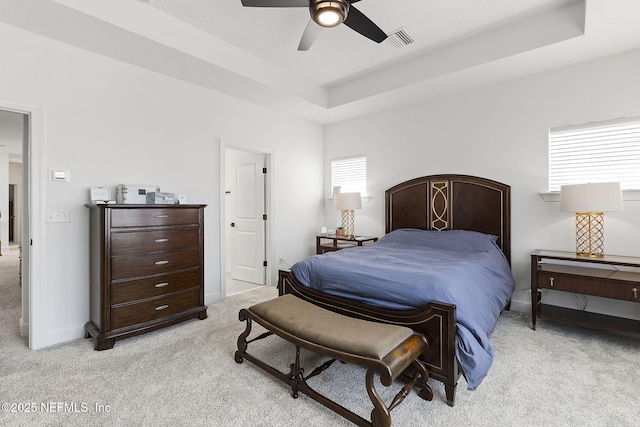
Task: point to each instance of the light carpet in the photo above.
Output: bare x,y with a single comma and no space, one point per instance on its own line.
558,375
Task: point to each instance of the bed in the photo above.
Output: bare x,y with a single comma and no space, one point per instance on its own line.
436,207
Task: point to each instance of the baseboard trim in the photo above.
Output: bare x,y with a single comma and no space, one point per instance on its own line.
24,328
212,297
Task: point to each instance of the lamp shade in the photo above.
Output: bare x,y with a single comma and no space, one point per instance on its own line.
597,197
347,201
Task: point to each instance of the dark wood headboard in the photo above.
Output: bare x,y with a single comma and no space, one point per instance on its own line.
451,202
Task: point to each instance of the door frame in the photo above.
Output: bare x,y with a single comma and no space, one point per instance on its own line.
270,197
33,244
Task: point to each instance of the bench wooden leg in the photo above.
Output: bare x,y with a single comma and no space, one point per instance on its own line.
422,376
242,353
296,374
242,339
381,415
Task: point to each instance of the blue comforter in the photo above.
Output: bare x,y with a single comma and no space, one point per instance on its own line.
408,268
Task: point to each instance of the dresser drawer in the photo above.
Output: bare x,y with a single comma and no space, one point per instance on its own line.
144,311
153,217
154,241
151,264
133,290
599,286
628,292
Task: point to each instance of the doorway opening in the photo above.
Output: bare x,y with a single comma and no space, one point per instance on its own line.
245,228
13,149
26,161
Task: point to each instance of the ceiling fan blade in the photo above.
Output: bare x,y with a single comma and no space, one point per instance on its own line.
357,21
310,35
275,3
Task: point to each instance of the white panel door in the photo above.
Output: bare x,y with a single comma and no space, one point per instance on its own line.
248,226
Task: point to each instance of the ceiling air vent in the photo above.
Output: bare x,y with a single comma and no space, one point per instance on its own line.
400,38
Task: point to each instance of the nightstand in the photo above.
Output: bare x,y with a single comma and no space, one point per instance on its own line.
616,277
335,243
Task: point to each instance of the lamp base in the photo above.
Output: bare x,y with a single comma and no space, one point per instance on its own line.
590,234
589,255
347,224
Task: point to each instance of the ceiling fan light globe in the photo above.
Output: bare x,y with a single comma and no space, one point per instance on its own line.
329,18
328,13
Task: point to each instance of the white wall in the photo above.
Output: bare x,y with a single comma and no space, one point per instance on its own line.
499,132
108,123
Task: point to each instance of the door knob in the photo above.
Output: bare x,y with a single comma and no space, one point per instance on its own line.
233,224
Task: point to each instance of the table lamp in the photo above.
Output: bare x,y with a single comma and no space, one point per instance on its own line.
589,202
347,202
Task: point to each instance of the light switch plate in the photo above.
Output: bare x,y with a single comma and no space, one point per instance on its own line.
57,216
59,175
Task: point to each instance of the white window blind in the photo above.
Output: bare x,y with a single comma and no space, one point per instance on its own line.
350,174
596,152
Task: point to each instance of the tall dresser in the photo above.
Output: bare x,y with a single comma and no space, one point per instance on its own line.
146,269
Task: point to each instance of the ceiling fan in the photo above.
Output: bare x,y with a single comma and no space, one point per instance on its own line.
326,14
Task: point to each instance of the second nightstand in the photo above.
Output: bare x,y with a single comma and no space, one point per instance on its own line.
335,243
616,277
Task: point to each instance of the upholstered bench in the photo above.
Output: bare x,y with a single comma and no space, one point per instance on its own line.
385,350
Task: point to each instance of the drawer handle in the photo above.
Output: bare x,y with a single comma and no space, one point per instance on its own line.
161,216
551,281
161,285
635,292
161,307
161,262
161,240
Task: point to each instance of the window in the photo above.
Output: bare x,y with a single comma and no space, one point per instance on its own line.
596,152
349,175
